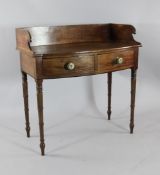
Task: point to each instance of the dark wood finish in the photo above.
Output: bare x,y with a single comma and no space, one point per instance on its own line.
80,48
107,61
33,39
28,64
26,106
76,50
133,93
56,67
109,94
40,113
66,34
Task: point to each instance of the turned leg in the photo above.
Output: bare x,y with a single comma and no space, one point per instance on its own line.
109,94
40,113
26,107
133,92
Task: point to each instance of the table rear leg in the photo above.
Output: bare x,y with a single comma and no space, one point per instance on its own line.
133,93
109,94
26,106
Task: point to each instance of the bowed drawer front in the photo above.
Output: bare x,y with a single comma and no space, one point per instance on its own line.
115,61
68,66
88,65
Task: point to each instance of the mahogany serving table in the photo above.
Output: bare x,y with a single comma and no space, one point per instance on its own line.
72,51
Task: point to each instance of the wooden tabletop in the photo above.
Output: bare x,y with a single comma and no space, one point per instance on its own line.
77,48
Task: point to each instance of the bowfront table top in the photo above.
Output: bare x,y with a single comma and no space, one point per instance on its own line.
75,50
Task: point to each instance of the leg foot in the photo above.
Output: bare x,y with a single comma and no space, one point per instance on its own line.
131,129
42,146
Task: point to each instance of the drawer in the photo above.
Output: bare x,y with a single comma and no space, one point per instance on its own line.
115,61
68,66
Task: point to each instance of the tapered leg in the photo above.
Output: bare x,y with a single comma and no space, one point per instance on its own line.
26,107
40,113
109,94
133,93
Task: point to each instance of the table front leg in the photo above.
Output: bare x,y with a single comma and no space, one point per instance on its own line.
109,94
40,113
26,106
133,93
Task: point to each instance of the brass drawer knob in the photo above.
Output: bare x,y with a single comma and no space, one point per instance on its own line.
119,60
70,66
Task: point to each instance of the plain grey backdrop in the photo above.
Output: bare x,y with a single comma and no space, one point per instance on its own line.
79,139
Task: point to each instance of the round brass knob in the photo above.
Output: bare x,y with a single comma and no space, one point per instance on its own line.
119,60
70,66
